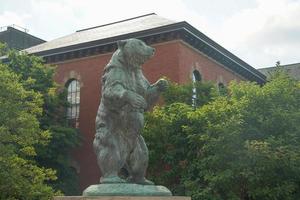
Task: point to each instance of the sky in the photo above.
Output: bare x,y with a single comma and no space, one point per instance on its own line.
260,32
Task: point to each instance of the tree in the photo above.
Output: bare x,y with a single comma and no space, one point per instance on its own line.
167,142
202,92
242,146
20,177
36,76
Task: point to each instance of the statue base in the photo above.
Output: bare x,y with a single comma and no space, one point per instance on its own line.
122,198
125,189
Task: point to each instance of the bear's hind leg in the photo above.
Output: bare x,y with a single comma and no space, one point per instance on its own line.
108,157
138,162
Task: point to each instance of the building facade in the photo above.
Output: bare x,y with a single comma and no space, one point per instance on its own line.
182,54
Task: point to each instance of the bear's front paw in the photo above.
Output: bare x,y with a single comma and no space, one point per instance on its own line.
162,85
136,100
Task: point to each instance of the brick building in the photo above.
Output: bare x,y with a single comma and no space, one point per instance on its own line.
182,53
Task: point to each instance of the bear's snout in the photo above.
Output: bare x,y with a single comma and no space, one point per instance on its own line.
151,50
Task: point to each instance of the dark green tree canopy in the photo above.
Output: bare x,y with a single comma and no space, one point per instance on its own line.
20,176
244,145
33,93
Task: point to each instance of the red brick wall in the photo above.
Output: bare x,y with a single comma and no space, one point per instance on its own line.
191,59
176,60
88,71
163,63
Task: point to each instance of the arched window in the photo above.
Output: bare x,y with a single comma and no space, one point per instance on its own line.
222,88
195,78
73,98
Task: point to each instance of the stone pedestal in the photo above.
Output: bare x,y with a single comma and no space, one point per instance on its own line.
124,189
123,198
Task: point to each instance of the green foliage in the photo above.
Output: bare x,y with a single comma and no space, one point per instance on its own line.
178,93
20,177
3,49
242,146
165,135
40,78
168,145
34,76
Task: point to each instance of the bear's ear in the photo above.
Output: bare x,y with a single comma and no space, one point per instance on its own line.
121,43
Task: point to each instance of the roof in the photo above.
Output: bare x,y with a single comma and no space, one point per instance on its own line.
17,39
292,69
151,28
123,27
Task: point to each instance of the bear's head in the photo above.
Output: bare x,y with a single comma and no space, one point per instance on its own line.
135,52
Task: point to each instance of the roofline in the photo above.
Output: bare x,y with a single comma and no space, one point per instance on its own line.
222,50
287,65
178,26
9,28
105,41
116,22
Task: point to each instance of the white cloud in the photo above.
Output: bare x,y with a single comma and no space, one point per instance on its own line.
50,19
10,18
259,32
264,34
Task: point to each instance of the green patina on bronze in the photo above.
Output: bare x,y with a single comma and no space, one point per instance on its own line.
118,143
126,190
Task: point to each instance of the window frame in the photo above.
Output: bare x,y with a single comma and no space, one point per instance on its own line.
196,77
73,99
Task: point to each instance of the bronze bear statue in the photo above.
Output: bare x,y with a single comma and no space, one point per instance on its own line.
126,95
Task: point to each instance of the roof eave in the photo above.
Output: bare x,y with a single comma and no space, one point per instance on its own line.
232,61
